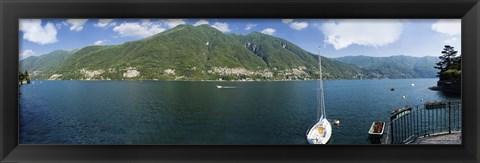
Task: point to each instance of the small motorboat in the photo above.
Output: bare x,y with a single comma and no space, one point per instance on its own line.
376,132
226,87
435,105
400,112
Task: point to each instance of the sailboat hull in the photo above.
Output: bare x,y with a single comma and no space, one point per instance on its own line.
320,133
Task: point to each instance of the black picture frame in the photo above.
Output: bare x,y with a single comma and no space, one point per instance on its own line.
12,10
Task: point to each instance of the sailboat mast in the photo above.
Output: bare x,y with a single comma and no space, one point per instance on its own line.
321,100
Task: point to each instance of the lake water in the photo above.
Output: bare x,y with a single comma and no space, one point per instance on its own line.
183,112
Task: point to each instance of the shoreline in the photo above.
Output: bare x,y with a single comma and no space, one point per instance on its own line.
446,89
233,80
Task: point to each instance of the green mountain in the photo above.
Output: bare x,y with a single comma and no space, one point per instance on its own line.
189,52
40,66
281,54
394,66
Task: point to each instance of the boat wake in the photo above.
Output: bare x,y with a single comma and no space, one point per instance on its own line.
225,87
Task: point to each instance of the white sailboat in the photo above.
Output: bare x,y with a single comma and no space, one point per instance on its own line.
321,132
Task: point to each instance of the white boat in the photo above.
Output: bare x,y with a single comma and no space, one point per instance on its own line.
321,132
219,86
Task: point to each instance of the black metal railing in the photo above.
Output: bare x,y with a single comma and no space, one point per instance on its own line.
406,125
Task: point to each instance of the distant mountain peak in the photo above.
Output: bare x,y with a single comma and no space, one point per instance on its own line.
397,66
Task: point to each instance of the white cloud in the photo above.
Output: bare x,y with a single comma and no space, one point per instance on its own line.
448,26
295,24
451,40
221,27
374,32
287,21
76,24
200,22
99,42
299,25
145,22
249,26
102,23
268,31
59,26
137,29
27,53
34,31
174,22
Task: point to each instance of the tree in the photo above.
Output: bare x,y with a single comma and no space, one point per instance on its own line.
20,76
27,77
449,65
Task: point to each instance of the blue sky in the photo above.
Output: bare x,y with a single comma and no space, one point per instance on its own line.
336,37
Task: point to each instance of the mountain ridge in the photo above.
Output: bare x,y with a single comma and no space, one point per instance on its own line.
398,66
189,52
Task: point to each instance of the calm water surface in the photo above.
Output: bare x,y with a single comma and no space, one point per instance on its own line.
181,112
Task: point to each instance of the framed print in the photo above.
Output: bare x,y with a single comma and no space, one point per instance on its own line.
239,81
